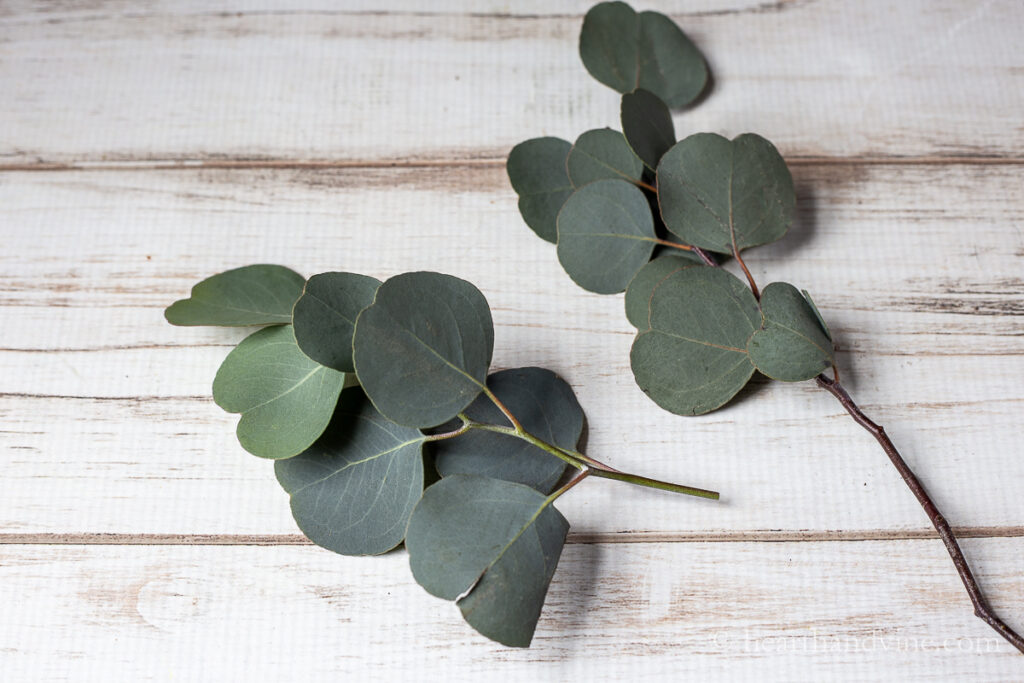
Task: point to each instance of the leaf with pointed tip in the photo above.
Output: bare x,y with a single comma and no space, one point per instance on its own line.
354,489
791,345
285,399
817,314
546,407
627,50
422,349
490,545
605,235
693,358
715,193
602,154
647,126
537,170
252,295
325,316
638,294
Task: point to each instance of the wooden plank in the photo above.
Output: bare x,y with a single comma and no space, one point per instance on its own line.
90,82
778,611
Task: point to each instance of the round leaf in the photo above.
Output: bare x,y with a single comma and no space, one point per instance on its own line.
792,344
605,235
602,154
638,294
715,193
325,316
625,51
538,174
546,407
693,358
354,489
491,545
251,295
647,126
286,399
423,347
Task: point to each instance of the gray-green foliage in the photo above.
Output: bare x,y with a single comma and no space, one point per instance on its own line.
251,295
638,294
647,126
602,154
792,344
537,170
325,316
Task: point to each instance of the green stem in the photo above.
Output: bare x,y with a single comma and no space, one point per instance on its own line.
654,483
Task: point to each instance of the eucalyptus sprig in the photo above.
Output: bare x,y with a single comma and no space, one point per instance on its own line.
702,332
347,384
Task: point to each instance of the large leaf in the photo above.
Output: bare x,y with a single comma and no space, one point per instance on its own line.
693,359
325,316
546,407
286,399
602,154
647,126
625,51
715,193
792,344
638,294
538,174
251,295
353,490
423,347
490,545
605,235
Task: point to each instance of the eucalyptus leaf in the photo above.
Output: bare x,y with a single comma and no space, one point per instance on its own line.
354,489
422,349
325,316
647,126
717,194
251,295
792,344
693,358
605,235
285,399
546,407
490,545
817,314
602,154
537,170
626,50
638,294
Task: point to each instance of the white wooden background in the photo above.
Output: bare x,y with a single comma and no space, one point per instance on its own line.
145,145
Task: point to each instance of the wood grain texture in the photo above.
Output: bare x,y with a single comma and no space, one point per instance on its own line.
90,82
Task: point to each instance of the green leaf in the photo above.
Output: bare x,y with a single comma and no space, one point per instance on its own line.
537,169
490,545
817,314
354,489
423,347
693,359
605,235
546,407
647,126
602,154
286,399
715,193
251,295
625,51
325,316
792,344
638,294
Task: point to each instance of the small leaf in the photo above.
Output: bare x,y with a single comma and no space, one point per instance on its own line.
638,294
715,192
325,316
817,314
423,347
546,407
625,51
286,399
693,359
490,545
537,169
647,126
354,489
791,345
605,235
602,154
251,295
